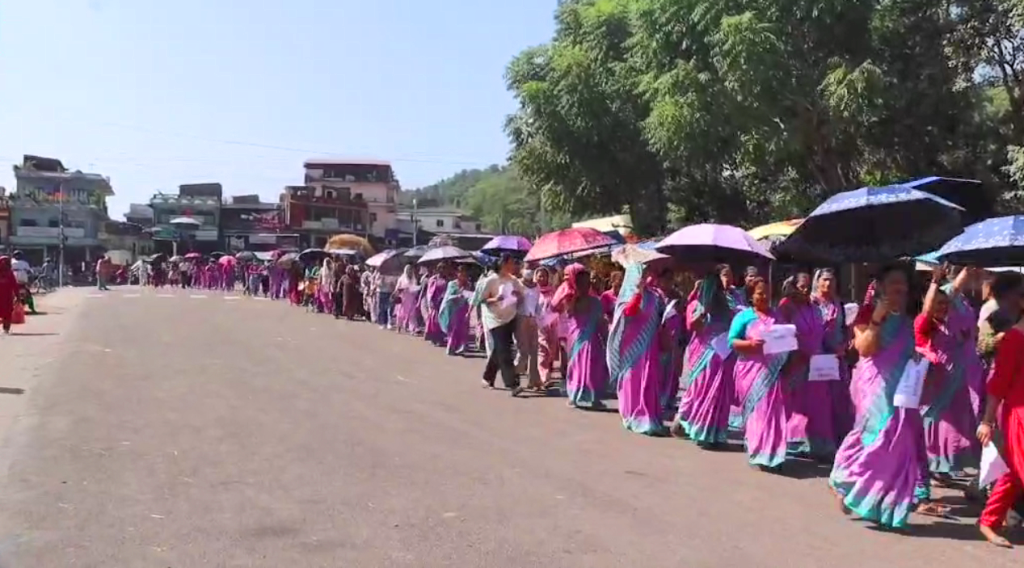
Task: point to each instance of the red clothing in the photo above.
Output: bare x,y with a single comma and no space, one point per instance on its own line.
1007,384
8,290
924,326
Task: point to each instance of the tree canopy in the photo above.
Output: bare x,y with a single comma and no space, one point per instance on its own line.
749,111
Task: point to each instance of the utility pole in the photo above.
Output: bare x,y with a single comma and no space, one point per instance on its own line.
415,227
60,235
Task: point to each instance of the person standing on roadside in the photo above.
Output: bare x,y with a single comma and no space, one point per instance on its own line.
8,293
500,297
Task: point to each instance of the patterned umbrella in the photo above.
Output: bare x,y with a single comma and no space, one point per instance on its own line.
993,242
568,241
642,253
507,243
709,243
874,224
378,260
443,253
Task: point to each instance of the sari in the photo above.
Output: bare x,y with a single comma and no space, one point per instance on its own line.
706,387
949,401
810,428
837,340
880,470
673,329
435,292
634,354
407,292
757,376
586,377
547,335
483,335
453,317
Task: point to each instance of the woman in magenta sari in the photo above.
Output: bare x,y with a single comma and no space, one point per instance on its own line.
586,379
634,353
707,377
837,340
435,288
454,313
407,292
609,296
945,326
881,469
547,330
810,429
737,297
763,412
673,332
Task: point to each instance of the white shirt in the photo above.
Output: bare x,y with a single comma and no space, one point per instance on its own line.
21,271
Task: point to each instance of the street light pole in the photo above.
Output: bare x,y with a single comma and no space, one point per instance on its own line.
60,235
415,229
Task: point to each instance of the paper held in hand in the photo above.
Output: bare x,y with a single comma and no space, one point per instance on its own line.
908,391
508,299
992,465
721,345
779,339
824,368
467,294
850,311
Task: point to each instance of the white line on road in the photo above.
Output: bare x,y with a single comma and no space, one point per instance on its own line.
95,295
133,295
165,295
258,298
231,298
403,379
197,297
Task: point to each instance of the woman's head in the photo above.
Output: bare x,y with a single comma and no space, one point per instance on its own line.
542,277
665,278
750,275
940,305
615,282
581,281
759,293
893,285
825,282
725,274
462,273
506,264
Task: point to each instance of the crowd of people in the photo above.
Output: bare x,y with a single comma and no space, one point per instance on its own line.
690,360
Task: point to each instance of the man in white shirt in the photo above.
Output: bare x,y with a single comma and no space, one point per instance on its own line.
501,294
22,269
527,340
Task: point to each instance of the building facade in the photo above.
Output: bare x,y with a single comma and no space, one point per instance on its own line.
140,214
316,213
201,202
439,220
126,236
49,202
246,223
368,181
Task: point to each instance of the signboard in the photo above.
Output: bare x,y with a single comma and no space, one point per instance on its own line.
207,235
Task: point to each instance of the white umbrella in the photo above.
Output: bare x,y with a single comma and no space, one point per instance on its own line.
443,253
186,221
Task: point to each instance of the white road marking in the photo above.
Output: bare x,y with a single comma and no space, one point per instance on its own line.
403,379
259,298
231,298
165,295
132,295
95,295
197,297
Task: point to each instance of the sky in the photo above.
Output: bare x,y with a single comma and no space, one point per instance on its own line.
154,94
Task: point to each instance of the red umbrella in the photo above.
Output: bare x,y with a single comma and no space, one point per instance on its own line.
568,241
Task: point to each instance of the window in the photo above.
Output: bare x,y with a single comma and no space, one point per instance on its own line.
478,227
373,218
440,223
53,223
358,197
329,194
457,224
28,223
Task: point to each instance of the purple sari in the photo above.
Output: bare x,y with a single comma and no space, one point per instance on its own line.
454,318
673,328
880,470
433,296
586,377
759,386
810,427
707,383
837,340
634,354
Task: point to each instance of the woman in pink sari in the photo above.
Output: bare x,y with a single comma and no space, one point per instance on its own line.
757,378
547,331
586,379
837,340
810,426
407,291
609,297
634,353
436,287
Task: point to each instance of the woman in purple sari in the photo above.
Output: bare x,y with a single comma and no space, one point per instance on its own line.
407,292
837,340
881,469
634,354
435,288
707,379
944,328
673,331
454,313
810,428
737,297
586,378
763,408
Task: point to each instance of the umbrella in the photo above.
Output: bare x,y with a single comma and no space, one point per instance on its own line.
993,242
246,255
226,260
444,253
636,254
218,254
344,252
874,224
346,241
176,258
186,221
382,257
288,259
416,252
709,243
193,255
777,229
312,255
158,258
568,241
507,243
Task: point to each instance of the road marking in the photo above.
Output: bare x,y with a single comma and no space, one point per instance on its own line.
165,295
231,298
197,297
403,379
132,295
95,295
258,298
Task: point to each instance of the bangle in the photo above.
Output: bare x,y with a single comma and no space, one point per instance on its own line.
989,424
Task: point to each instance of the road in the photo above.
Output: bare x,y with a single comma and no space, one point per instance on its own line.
180,430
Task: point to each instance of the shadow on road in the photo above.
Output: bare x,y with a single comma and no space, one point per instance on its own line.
31,334
11,390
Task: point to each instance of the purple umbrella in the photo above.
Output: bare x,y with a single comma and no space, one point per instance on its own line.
443,253
507,243
710,243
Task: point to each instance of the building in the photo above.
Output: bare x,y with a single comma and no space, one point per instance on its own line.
318,213
126,236
246,223
439,220
369,181
45,192
201,202
5,220
140,214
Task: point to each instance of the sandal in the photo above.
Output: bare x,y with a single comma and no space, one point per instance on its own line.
932,509
994,538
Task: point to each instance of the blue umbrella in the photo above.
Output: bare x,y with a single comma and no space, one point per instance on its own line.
874,224
993,242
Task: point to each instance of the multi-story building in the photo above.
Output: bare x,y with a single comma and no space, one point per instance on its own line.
201,202
246,223
369,181
140,214
126,236
316,213
5,220
440,220
48,200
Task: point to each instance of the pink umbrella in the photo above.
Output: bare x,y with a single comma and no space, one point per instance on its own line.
709,243
226,260
193,255
568,241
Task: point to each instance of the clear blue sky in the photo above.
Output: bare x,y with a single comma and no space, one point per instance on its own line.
155,93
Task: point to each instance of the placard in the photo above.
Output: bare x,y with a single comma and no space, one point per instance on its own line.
779,339
722,345
824,368
908,391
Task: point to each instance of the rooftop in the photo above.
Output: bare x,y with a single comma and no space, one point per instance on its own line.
313,162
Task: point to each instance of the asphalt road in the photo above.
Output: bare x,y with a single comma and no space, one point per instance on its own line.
178,431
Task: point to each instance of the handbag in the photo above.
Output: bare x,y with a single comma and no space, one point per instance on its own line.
18,314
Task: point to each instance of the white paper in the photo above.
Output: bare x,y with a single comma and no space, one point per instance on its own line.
779,339
721,345
824,368
467,294
908,391
851,312
414,289
992,465
530,300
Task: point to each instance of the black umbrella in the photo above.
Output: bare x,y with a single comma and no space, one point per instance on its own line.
313,255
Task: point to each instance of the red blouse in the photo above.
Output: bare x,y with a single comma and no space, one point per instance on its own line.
1007,381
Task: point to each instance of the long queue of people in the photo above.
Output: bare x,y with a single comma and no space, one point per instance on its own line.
693,363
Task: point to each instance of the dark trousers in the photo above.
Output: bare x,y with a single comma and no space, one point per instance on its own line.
501,356
339,303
